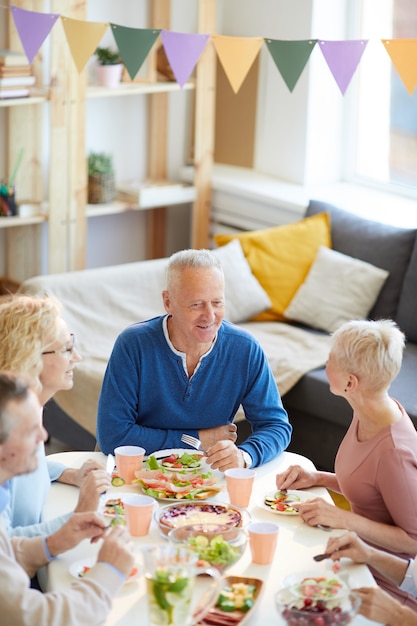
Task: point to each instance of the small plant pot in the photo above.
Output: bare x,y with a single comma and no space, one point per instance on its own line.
101,188
109,75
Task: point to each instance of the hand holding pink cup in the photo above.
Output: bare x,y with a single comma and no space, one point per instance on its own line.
129,460
239,482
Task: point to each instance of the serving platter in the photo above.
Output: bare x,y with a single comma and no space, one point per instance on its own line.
80,568
168,485
292,496
217,617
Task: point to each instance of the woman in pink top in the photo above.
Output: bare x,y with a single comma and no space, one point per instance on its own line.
376,464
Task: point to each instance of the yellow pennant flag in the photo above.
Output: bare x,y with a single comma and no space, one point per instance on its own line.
237,54
403,53
83,38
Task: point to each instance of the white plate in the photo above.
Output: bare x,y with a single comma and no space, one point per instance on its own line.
76,568
112,495
302,495
161,454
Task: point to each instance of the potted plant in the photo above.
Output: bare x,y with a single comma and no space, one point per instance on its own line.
110,67
101,187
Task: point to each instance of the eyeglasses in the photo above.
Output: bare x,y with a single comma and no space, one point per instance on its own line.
68,349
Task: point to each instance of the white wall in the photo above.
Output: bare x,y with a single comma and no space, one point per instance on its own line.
297,133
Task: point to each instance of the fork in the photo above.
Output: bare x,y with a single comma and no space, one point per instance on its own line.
193,442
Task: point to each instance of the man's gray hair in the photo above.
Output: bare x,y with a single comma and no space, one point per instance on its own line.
12,387
192,258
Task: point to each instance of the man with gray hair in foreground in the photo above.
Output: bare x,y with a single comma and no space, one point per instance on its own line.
88,601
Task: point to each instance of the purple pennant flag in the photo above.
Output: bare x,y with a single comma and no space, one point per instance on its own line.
343,58
183,51
33,28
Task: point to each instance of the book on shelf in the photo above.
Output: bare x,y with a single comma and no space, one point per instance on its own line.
13,92
151,192
18,70
11,58
17,81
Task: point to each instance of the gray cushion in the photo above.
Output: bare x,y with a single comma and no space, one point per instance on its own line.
407,307
380,244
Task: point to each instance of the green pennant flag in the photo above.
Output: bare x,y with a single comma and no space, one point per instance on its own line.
290,57
134,45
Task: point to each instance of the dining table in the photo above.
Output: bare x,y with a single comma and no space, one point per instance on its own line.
297,544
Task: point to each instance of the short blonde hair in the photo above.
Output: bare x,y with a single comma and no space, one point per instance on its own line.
372,350
28,324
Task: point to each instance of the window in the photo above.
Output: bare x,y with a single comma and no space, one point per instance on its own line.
385,150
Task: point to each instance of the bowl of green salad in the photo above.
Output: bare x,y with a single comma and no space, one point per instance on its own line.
216,545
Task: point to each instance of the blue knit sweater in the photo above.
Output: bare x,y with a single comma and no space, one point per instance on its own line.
147,398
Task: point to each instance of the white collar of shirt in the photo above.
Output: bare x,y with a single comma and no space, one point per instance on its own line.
183,354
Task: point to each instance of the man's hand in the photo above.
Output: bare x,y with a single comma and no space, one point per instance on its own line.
79,526
117,549
72,476
210,436
224,455
95,483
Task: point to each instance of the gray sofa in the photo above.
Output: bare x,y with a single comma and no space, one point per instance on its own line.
319,419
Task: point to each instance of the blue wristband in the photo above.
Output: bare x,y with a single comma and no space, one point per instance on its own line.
47,553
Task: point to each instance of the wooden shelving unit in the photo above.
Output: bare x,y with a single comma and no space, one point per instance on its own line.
65,98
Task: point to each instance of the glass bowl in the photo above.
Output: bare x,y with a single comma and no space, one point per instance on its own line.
218,546
337,610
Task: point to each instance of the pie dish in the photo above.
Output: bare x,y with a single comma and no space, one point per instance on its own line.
199,513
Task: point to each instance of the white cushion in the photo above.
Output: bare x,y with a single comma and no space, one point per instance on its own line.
245,297
337,289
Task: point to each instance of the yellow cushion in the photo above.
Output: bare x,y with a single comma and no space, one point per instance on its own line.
280,257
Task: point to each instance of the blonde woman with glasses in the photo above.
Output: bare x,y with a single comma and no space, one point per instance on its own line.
35,340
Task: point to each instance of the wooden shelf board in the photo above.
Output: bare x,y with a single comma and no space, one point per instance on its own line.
180,195
9,222
132,89
39,98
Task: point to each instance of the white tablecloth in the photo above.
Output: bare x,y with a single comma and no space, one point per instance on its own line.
297,544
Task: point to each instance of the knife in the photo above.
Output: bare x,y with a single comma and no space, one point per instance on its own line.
110,464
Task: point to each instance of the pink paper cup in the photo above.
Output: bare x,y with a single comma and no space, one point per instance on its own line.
138,513
263,537
129,460
239,483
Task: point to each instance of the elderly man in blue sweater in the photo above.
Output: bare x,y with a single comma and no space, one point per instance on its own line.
188,372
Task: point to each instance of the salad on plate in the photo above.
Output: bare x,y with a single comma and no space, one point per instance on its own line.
284,502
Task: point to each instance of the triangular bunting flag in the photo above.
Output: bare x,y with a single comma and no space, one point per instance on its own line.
403,53
343,58
237,54
183,51
83,38
134,45
33,28
290,57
